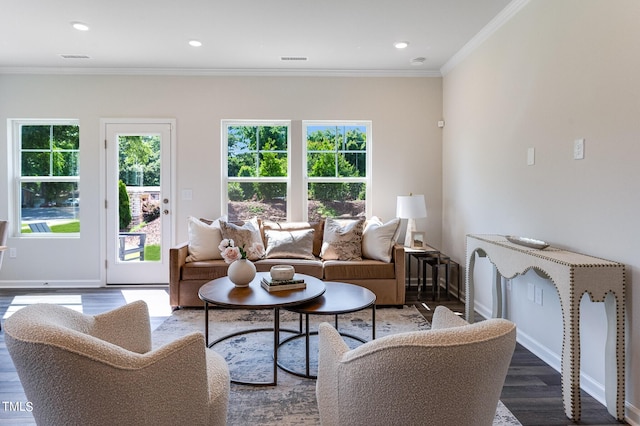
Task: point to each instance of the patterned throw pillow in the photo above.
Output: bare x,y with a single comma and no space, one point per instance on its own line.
246,236
342,239
294,244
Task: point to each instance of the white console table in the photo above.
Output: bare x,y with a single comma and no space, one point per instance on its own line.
573,274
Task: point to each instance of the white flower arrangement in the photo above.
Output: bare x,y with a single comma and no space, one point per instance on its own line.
230,252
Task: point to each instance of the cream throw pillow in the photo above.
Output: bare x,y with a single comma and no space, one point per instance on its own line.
342,239
378,239
294,244
243,236
204,240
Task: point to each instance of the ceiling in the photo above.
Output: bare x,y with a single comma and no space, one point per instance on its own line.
239,36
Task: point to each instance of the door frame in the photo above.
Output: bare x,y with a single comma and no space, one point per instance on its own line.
103,185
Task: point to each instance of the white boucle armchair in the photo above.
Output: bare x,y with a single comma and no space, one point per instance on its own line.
79,369
450,375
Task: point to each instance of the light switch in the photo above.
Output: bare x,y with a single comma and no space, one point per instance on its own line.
578,149
187,194
531,292
531,156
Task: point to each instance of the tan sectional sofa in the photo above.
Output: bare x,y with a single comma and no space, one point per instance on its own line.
385,279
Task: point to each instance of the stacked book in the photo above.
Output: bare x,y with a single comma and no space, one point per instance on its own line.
272,285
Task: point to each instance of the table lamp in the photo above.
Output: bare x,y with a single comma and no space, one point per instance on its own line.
410,207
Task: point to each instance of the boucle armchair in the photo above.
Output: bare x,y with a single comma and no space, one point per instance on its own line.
78,369
450,375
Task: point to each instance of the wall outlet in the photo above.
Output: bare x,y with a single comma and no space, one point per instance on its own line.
13,252
538,296
531,156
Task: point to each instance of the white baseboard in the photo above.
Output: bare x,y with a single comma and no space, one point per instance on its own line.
34,284
632,414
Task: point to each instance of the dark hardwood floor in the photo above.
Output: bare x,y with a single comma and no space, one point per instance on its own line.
532,389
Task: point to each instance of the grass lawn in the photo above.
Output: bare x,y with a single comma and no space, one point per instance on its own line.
62,228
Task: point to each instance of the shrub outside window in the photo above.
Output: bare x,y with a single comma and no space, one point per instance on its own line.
337,165
257,169
47,165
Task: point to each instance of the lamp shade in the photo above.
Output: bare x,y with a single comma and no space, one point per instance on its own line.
411,207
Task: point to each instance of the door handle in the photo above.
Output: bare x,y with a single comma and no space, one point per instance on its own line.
165,211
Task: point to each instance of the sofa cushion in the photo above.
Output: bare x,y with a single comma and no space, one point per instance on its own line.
204,240
246,236
294,244
302,266
378,238
342,239
336,270
318,228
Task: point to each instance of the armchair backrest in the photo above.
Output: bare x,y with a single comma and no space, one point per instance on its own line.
437,377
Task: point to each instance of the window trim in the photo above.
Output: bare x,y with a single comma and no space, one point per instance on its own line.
15,171
224,170
306,179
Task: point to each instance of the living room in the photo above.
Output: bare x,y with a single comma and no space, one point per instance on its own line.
554,72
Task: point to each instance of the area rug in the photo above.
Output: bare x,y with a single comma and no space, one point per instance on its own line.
293,400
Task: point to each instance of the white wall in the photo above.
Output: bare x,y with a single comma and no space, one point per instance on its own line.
406,144
558,71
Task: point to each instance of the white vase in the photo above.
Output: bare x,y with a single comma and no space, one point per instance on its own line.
241,272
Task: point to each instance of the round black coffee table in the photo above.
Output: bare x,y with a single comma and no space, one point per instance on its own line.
339,298
222,292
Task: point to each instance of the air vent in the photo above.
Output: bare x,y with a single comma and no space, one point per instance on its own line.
68,56
293,58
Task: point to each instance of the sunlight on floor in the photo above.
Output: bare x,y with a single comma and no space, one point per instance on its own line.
157,301
71,301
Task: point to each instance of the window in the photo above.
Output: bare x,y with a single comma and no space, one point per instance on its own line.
256,173
337,164
47,175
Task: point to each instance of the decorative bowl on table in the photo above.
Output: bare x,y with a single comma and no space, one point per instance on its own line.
282,272
528,242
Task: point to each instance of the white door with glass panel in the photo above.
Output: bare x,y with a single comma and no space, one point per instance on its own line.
138,204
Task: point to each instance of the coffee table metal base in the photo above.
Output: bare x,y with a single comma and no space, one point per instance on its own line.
276,339
340,298
307,336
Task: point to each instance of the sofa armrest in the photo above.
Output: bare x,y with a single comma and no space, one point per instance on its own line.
398,257
177,259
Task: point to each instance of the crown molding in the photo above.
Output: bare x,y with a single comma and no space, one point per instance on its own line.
496,23
219,72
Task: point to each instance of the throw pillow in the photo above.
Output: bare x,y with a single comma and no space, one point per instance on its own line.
246,236
378,239
342,239
204,240
318,228
294,244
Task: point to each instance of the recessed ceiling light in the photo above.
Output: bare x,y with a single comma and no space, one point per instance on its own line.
80,26
195,43
401,44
